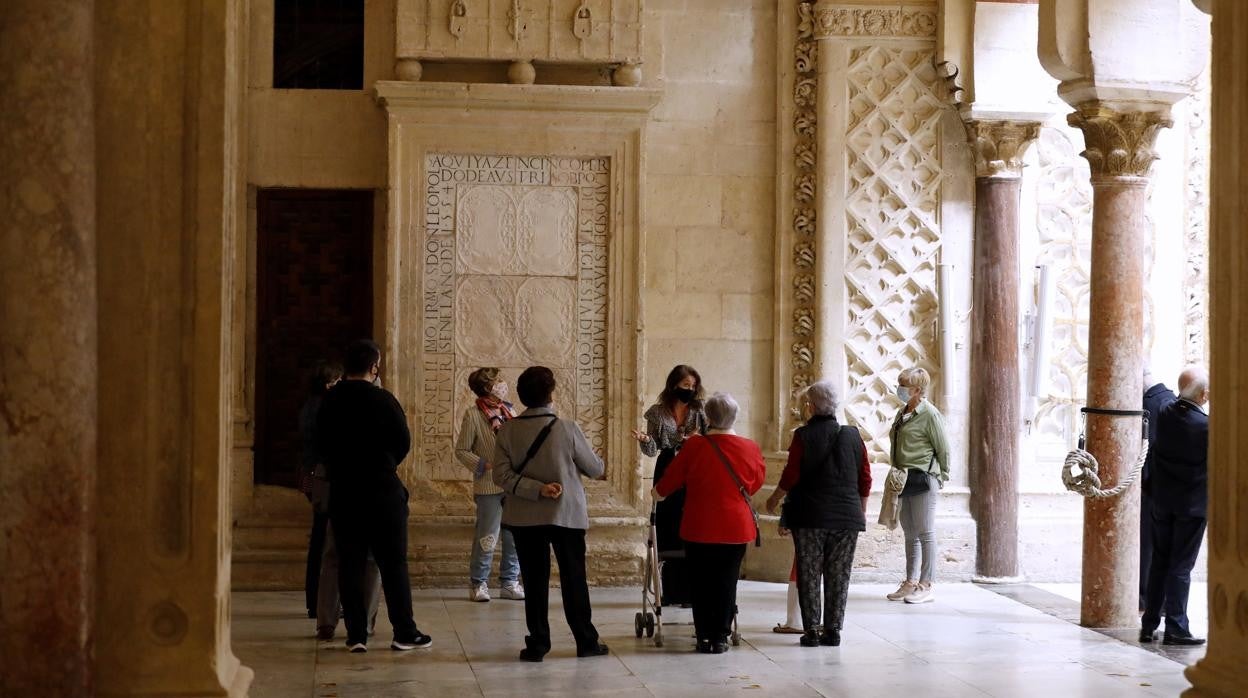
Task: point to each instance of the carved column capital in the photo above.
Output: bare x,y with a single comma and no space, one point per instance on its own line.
999,145
1119,144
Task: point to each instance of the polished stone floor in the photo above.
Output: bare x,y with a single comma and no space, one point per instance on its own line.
970,642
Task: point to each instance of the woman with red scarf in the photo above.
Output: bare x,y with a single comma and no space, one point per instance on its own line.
474,448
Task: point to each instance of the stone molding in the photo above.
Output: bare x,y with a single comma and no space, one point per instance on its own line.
999,146
536,98
1119,143
837,20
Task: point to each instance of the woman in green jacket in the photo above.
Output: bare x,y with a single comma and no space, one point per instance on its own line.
919,446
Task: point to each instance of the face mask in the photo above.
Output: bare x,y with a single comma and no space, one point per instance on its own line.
685,395
499,390
903,393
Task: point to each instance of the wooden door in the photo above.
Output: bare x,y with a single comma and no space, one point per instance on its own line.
314,294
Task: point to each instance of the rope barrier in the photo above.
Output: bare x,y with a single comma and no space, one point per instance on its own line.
1080,469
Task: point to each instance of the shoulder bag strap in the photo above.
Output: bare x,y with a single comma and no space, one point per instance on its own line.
758,534
537,444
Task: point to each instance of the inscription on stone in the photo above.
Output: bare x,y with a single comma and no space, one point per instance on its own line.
515,273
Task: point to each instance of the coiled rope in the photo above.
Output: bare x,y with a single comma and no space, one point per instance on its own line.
1079,471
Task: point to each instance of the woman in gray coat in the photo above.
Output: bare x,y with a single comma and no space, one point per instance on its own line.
539,460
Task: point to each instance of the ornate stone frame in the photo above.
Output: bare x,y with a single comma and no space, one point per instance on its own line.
501,120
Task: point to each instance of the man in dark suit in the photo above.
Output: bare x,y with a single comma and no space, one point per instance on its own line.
1156,397
1179,485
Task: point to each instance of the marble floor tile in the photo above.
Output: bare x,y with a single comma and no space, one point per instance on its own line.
971,642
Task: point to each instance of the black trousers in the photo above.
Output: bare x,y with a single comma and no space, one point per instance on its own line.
375,522
312,573
828,554
1176,544
714,569
1146,543
533,547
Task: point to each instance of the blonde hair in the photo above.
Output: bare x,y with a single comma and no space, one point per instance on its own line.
916,377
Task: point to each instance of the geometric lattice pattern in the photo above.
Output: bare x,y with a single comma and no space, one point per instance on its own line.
1064,224
893,244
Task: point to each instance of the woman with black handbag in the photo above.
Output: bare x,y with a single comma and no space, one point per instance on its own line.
539,460
719,473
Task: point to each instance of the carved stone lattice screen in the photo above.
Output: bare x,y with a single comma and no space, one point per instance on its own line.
1064,224
892,200
515,275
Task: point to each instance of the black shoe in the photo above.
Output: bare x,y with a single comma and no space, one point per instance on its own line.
704,647
1182,640
357,647
809,640
596,651
1148,635
719,647
830,639
421,641
529,654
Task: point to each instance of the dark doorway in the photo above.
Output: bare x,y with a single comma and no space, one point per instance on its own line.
314,294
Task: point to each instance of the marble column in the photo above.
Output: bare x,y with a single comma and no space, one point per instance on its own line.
1120,152
47,348
1221,672
994,375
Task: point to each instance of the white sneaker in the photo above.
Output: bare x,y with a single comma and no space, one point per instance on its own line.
907,588
514,590
922,594
357,648
480,592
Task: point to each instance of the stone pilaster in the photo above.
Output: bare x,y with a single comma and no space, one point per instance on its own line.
1221,673
994,384
47,349
1119,148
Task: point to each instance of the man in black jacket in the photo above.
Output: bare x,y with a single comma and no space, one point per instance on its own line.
1178,482
363,436
1156,397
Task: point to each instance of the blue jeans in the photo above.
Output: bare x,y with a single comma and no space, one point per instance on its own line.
489,518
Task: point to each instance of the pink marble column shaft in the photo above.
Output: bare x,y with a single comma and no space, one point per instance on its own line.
47,348
1115,335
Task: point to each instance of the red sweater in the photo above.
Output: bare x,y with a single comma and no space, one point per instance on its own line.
793,470
715,511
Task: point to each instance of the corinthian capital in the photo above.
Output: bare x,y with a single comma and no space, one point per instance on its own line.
999,145
1119,143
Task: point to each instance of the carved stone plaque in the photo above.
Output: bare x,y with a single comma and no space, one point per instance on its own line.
515,275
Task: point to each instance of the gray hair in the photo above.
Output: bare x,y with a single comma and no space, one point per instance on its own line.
721,411
1193,383
823,398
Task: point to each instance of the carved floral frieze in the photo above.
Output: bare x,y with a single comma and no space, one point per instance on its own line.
832,20
805,92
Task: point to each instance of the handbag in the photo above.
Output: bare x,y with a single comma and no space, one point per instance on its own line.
758,534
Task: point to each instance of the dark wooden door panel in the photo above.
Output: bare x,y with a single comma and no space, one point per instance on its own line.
314,295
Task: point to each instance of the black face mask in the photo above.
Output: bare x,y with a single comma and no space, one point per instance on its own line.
685,395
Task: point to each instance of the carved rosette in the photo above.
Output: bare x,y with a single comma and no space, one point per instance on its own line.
805,89
1118,144
999,146
832,20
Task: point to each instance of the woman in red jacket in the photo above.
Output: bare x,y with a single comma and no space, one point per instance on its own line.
718,522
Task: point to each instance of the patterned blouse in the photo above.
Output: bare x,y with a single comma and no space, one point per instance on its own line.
661,426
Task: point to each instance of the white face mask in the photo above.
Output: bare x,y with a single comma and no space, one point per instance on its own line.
499,390
903,394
